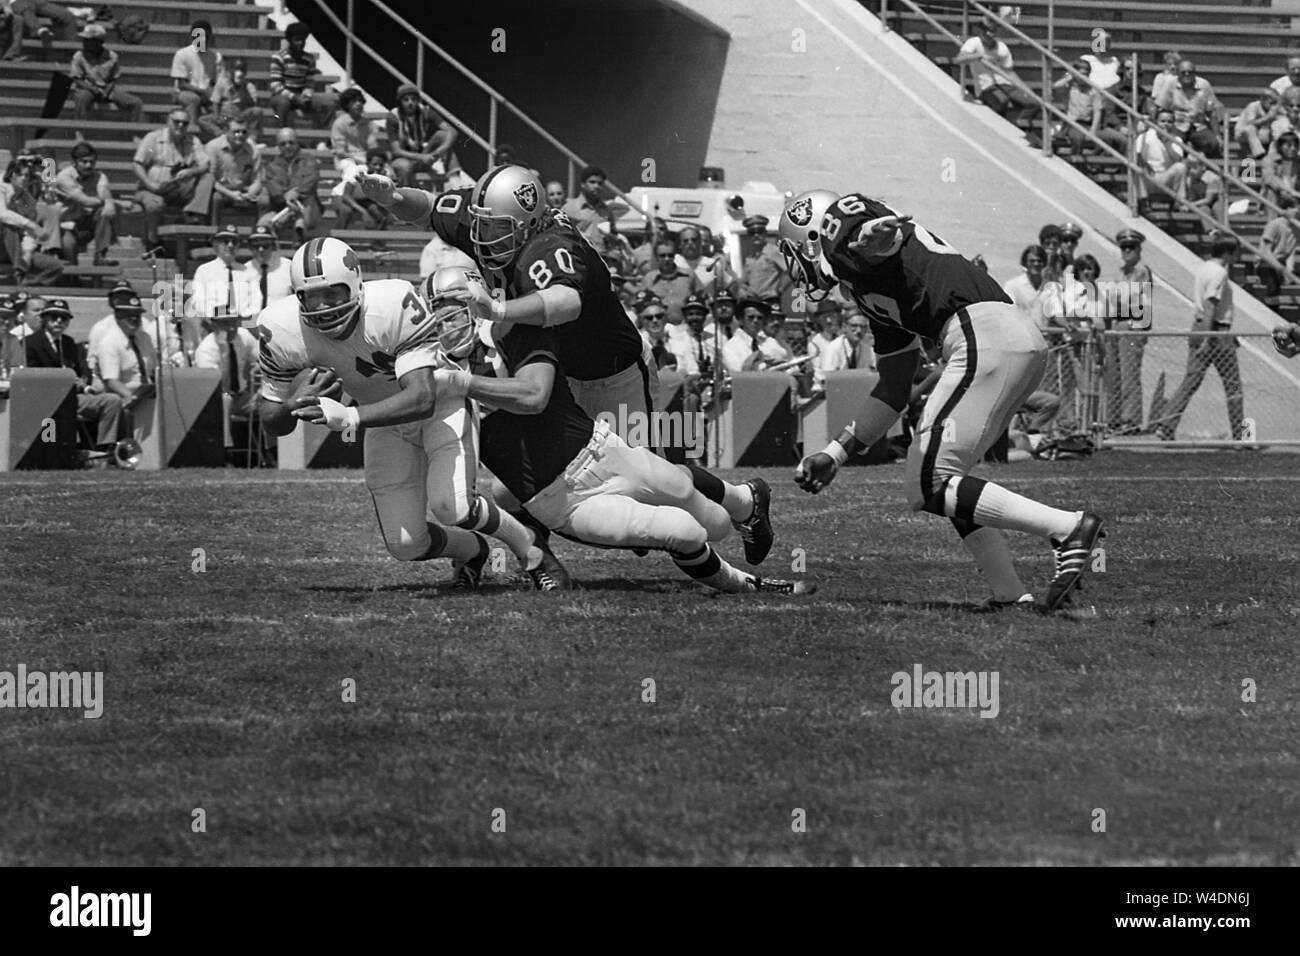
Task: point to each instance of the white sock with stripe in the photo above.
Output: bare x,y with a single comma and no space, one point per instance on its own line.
986,503
708,567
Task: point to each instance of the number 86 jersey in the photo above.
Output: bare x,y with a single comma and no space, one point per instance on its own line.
915,288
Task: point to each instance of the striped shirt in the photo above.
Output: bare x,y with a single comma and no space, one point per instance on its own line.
292,73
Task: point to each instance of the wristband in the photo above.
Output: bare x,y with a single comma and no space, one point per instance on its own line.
837,453
353,414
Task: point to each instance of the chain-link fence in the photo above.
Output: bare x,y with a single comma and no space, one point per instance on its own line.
1214,389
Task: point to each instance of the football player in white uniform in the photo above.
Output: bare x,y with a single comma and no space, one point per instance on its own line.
421,460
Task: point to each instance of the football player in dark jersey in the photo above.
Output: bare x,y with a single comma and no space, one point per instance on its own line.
550,276
576,475
911,285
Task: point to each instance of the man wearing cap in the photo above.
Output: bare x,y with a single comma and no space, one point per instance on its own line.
267,272
125,355
123,291
762,270
741,353
12,353
233,351
588,209
53,348
289,183
233,97
168,165
234,176
95,71
85,191
721,316
292,71
418,137
1071,233
222,282
195,67
694,355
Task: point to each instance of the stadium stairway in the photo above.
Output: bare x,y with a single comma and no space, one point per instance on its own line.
858,107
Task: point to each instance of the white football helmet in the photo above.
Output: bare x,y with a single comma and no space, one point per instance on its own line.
799,239
321,264
456,329
506,207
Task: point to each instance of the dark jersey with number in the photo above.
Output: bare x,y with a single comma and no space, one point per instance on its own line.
914,290
450,219
602,340
528,452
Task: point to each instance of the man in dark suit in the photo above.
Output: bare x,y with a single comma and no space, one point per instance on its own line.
50,348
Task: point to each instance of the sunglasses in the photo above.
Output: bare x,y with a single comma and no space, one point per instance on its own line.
1129,247
656,317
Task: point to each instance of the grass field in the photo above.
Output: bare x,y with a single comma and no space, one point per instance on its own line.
223,689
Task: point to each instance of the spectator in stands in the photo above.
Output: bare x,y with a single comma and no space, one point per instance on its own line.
643,256
352,209
20,227
292,72
233,180
762,269
555,194
1049,237
168,165
419,138
711,272
233,351
289,183
126,357
1196,110
234,97
352,134
24,22
505,156
859,341
772,343
996,82
1288,80
1214,313
694,355
722,315
668,282
829,345
52,348
1160,155
588,209
1103,68
1165,80
1254,129
267,273
28,308
651,316
1203,187
1124,353
122,293
1026,290
95,71
195,68
741,353
222,282
12,352
89,206
1277,246
1281,174
1071,233
1084,107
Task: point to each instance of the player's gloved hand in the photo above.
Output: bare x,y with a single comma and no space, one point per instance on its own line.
322,381
325,411
378,187
1285,342
874,237
482,306
815,472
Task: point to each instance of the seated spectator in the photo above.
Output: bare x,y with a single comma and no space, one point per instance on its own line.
20,226
555,194
12,351
1196,110
1027,289
1288,80
712,272
233,180
28,310
1160,155
722,315
95,71
694,355
90,209
24,22
126,357
267,273
588,209
289,183
352,210
1203,187
420,139
292,72
1254,127
772,344
829,346
1281,173
195,68
51,348
741,353
859,340
234,97
122,292
668,282
168,165
762,268
1084,107
1104,68
1165,80
652,316
1278,246
352,134
643,256
222,283
996,83
233,351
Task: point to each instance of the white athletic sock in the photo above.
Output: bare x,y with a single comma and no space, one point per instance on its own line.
738,500
988,546
507,529
708,567
1001,508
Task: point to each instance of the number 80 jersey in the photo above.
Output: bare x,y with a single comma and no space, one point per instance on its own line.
916,288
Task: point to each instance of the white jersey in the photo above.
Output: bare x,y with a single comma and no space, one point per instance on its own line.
395,335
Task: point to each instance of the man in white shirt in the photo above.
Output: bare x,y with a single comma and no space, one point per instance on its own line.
1026,290
267,273
996,82
233,351
1214,313
693,353
223,281
1160,154
829,345
711,272
741,353
772,343
126,357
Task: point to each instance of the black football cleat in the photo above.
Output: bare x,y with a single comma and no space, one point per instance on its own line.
756,530
469,576
778,586
1072,558
550,574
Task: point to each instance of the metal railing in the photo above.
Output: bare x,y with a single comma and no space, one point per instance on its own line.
496,101
1136,121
